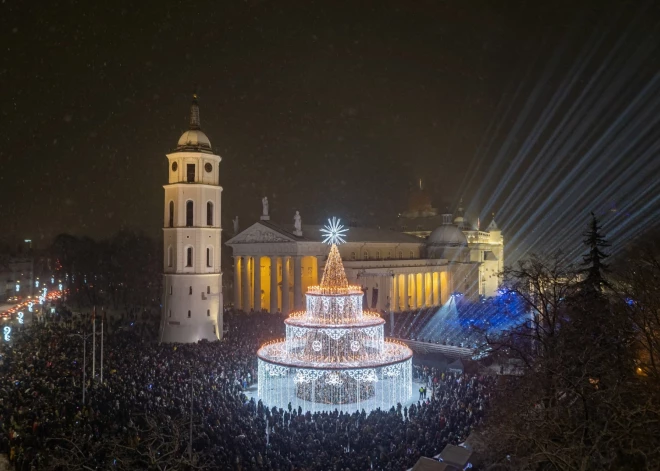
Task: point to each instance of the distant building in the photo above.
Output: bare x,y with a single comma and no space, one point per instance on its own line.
17,271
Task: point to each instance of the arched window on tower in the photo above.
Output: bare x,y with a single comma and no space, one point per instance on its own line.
209,257
209,213
189,213
189,257
171,213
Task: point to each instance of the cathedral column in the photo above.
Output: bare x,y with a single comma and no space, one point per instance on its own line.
382,294
406,297
431,298
422,301
394,306
256,269
285,285
413,298
273,285
245,285
319,272
297,280
237,284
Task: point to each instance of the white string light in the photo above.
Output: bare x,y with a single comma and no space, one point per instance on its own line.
334,353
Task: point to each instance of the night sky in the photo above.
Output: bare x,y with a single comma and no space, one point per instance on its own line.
333,108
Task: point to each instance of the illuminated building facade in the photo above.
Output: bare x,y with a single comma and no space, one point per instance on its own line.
192,281
274,264
484,247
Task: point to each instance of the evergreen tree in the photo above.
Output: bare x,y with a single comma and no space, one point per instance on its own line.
594,267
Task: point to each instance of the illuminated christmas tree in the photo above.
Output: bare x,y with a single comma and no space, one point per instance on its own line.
335,354
334,277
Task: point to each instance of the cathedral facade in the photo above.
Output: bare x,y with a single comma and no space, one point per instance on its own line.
485,247
399,270
192,280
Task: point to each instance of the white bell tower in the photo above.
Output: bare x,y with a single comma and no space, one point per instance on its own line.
192,279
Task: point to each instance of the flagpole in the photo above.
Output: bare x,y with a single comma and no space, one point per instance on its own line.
102,322
94,344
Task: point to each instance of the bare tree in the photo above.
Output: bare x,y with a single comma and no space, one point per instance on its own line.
155,442
578,405
638,279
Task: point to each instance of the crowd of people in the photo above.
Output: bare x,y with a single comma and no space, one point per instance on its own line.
139,417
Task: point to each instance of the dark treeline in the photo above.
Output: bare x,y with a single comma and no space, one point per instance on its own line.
588,393
122,272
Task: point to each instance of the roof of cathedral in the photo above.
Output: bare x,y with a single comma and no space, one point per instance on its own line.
194,139
447,235
312,233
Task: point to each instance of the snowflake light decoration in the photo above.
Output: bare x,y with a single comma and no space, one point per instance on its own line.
334,232
333,379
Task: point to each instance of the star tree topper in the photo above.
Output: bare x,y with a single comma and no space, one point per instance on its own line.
334,232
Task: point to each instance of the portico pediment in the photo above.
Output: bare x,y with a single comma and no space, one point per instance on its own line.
259,234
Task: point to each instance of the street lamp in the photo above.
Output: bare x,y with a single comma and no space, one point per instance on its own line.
84,380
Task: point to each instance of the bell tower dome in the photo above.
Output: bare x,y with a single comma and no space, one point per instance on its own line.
192,280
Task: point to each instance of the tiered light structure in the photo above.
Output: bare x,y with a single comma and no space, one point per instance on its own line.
334,354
